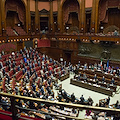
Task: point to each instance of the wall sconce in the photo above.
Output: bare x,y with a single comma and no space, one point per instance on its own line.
67,28
117,42
94,40
81,28
101,27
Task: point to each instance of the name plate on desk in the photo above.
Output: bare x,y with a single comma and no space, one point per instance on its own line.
108,88
106,73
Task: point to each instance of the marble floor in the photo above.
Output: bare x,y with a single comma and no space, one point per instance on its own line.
78,91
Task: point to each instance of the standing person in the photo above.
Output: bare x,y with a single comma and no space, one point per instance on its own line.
95,77
79,62
73,97
108,101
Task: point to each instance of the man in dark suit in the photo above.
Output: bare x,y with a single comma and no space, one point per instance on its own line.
18,67
90,101
13,64
3,71
82,99
103,79
1,65
112,80
23,71
84,77
95,77
73,98
28,75
79,76
108,100
8,78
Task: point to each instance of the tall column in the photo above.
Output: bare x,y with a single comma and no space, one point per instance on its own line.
51,17
96,16
28,17
59,17
36,17
93,16
0,20
82,16
3,15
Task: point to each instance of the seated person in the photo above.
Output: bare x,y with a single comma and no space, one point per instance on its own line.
108,85
85,66
112,81
79,76
95,65
97,81
95,77
103,79
82,99
115,33
84,77
90,101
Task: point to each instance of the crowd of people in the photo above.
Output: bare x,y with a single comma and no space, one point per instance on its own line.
109,33
39,74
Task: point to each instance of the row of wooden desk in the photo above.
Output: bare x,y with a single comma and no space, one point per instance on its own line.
100,74
63,77
57,113
91,87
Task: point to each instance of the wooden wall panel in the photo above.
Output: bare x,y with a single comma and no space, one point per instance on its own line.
56,53
52,52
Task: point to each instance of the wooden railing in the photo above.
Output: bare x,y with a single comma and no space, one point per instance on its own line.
14,107
83,38
87,38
